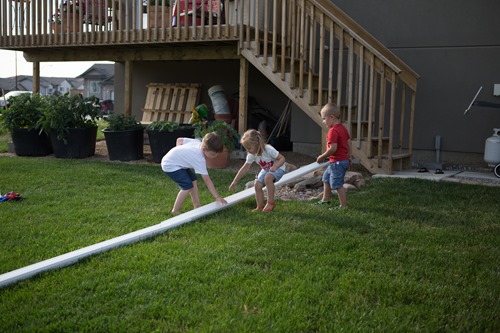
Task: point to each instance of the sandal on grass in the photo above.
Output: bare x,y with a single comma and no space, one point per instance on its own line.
258,209
321,202
269,207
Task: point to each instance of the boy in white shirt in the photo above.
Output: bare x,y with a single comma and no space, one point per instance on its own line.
191,154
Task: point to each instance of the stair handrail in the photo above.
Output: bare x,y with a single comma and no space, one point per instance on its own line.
364,37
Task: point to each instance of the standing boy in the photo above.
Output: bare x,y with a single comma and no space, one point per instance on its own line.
191,154
338,151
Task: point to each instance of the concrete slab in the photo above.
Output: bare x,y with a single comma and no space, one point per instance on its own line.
482,177
477,177
430,175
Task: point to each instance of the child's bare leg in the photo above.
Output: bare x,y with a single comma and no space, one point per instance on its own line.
181,197
195,197
341,192
327,192
259,194
270,189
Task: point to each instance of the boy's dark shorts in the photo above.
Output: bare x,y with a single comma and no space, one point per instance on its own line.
183,177
335,173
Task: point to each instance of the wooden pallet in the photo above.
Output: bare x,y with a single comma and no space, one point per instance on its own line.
170,102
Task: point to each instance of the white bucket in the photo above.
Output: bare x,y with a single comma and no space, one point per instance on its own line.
219,100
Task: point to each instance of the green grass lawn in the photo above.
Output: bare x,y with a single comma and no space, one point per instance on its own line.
408,256
4,138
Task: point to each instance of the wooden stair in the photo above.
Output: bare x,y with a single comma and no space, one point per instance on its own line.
317,54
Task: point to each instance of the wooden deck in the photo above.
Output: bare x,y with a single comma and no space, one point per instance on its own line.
311,50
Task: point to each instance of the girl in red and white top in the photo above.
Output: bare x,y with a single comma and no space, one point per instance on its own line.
271,162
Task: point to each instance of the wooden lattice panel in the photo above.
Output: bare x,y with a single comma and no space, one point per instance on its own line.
170,102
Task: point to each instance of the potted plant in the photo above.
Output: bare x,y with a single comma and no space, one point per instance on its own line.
124,138
156,15
163,136
23,118
71,122
230,138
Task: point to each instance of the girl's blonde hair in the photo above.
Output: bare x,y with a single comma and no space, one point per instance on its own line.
253,138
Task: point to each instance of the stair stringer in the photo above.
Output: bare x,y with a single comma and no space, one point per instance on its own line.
312,111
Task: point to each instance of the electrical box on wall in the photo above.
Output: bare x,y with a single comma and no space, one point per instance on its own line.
496,89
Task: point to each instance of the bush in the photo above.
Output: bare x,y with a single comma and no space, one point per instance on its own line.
25,111
65,111
121,122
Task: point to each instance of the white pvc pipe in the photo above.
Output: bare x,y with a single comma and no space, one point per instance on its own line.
136,236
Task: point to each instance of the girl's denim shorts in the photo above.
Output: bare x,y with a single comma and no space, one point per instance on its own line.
277,175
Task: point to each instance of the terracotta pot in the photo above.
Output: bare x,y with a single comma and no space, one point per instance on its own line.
64,26
227,117
155,18
221,161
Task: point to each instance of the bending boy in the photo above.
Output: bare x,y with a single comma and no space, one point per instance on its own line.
191,154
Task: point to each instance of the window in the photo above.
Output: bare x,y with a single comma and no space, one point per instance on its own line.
95,88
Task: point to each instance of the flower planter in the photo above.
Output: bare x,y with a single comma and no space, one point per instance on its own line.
155,17
221,161
63,26
125,145
162,141
30,142
80,143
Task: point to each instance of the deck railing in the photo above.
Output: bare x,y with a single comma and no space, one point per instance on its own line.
45,23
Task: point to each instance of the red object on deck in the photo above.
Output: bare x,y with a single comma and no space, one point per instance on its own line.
191,8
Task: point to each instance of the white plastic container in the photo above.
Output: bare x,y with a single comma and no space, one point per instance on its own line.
492,148
219,101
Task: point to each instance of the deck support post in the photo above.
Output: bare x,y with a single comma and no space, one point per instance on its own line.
243,96
127,106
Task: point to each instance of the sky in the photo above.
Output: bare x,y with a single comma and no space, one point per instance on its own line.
9,59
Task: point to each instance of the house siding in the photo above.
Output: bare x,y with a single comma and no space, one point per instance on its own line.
455,47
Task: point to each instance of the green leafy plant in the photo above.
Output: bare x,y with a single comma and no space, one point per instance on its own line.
25,111
153,2
65,7
163,126
227,132
63,112
121,122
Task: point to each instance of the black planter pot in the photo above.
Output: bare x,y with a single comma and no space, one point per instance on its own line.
162,141
127,145
80,143
30,142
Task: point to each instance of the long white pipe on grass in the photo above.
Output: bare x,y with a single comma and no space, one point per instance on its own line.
136,236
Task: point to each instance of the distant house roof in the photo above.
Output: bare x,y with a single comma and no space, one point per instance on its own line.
76,83
98,71
10,84
108,81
